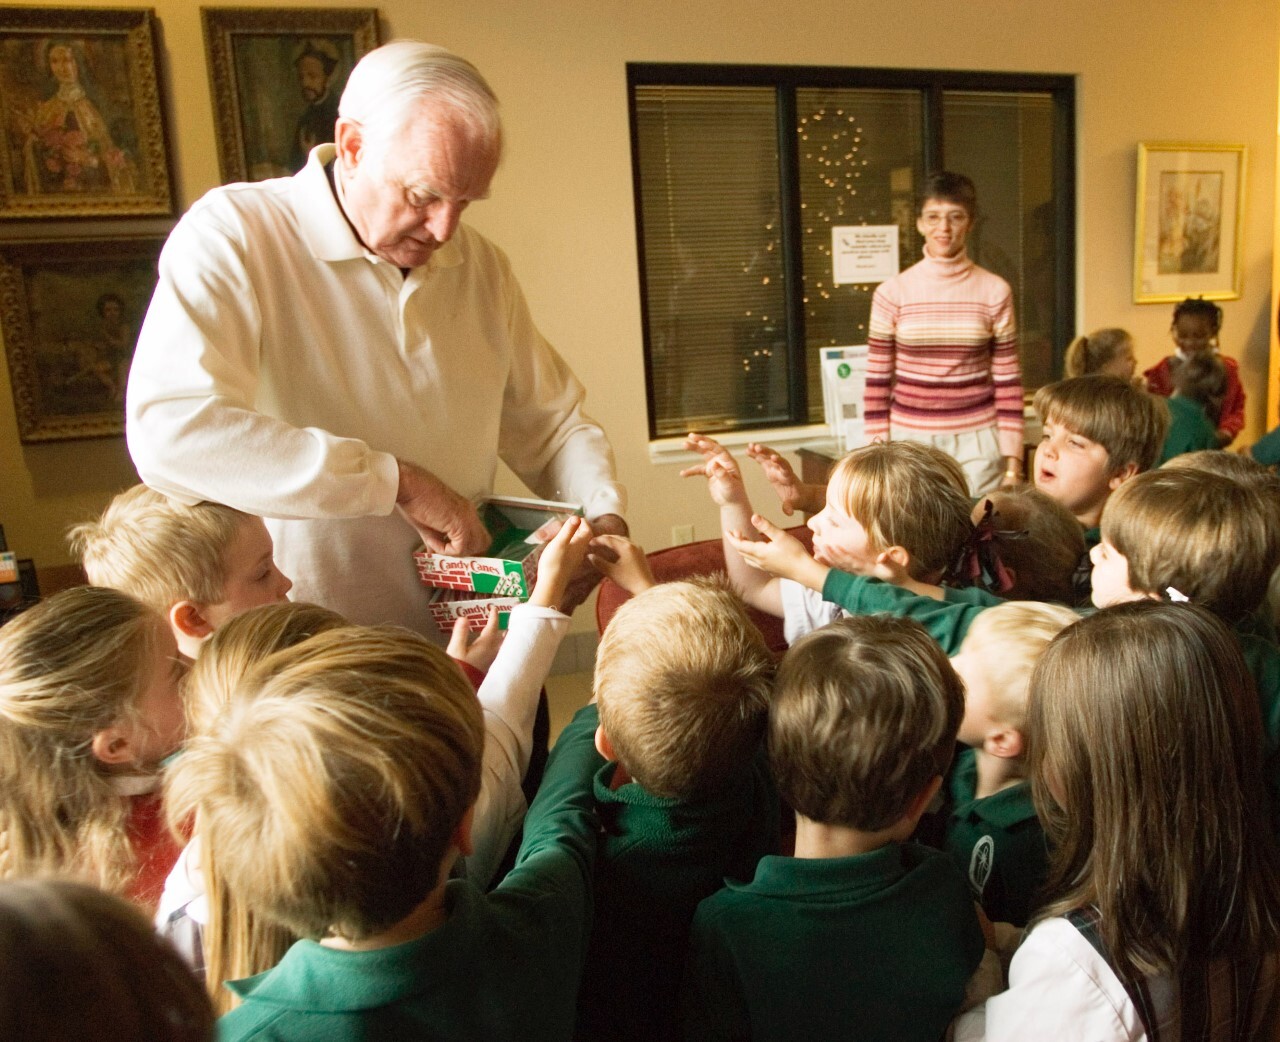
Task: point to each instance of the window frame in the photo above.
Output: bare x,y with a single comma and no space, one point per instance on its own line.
786,79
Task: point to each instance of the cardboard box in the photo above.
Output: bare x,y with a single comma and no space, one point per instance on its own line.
508,569
447,606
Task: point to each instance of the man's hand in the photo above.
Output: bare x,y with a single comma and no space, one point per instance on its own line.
478,653
780,554
623,561
587,578
447,523
724,479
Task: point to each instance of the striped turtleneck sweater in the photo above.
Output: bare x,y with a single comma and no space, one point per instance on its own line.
943,354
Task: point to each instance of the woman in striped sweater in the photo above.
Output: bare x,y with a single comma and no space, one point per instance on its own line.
943,365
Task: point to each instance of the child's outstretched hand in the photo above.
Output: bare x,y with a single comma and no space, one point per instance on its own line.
724,479
618,558
780,554
560,559
478,653
791,492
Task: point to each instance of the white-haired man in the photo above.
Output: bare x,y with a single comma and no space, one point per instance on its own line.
335,352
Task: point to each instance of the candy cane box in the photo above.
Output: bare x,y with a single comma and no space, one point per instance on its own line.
507,570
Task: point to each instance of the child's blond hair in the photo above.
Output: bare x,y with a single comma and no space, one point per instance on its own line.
240,644
1087,355
1038,539
1195,534
1007,641
236,942
158,549
864,714
70,667
1125,420
682,679
331,788
906,494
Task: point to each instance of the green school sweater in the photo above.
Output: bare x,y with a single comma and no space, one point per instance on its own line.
947,621
502,966
996,841
1189,429
658,858
874,947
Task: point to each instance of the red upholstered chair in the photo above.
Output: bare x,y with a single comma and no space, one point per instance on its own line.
683,562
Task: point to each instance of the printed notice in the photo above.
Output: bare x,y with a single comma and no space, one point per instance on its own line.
864,253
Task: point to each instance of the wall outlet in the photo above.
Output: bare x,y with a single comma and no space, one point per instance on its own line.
681,534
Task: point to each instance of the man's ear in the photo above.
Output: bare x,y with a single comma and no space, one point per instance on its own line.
349,139
605,747
112,745
1007,743
1122,475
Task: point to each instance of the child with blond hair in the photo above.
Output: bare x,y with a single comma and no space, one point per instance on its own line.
902,502
861,931
682,684
337,790
90,705
1163,910
197,565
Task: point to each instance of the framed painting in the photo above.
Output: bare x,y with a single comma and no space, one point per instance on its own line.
80,114
69,315
1190,222
277,75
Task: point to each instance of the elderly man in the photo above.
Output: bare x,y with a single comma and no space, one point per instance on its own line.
336,352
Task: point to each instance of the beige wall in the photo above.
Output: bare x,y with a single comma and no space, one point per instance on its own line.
1194,70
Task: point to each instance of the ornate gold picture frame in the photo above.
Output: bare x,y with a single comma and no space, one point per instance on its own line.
80,114
276,76
1189,227
69,315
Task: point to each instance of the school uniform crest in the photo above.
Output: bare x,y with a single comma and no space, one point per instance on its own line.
981,861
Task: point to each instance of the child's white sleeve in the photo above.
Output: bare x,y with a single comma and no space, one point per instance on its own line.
804,610
509,698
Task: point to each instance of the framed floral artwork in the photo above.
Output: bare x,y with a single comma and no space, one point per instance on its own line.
277,75
80,114
69,315
1188,231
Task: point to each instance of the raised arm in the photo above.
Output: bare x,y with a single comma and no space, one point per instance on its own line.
793,493
724,482
509,698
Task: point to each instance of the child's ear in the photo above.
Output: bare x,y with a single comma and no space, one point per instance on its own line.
187,620
1122,475
461,837
899,555
113,745
605,747
921,800
1007,743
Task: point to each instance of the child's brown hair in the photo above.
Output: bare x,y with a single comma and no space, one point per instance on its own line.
864,715
1038,539
1125,420
1087,355
682,679
1205,537
1146,765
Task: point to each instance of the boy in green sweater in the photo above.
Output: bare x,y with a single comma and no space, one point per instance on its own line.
335,794
682,683
861,932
